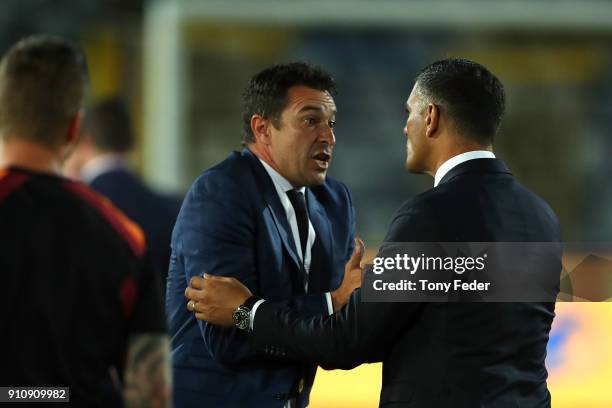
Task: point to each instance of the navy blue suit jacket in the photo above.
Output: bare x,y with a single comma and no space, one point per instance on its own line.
232,223
153,212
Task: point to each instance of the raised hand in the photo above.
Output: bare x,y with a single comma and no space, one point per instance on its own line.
353,274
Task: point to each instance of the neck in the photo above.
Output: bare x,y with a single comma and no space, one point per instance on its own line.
30,155
456,149
263,154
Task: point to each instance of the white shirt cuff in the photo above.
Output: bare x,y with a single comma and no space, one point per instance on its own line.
252,313
330,305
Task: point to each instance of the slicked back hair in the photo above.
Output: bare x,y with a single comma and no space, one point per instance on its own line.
469,93
108,124
266,92
43,81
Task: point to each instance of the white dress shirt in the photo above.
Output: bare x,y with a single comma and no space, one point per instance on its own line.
282,185
457,160
102,164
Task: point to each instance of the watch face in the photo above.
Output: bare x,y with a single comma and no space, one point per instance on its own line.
241,318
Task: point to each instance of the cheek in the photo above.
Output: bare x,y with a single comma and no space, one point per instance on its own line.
411,127
293,152
414,130
301,148
410,132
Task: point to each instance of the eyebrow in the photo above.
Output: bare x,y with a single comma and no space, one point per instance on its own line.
314,108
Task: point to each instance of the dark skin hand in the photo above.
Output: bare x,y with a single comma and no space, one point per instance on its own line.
214,298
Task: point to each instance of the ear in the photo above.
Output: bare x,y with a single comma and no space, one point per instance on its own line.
71,138
432,120
74,128
259,127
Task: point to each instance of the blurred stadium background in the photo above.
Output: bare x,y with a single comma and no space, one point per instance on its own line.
181,66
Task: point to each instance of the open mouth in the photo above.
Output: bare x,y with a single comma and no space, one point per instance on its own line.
322,159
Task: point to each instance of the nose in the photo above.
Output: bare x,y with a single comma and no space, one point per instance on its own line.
328,136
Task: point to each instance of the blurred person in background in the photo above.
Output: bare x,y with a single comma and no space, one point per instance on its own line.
81,300
460,354
269,216
101,159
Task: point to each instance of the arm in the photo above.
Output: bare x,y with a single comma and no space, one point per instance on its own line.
217,235
147,372
147,379
359,332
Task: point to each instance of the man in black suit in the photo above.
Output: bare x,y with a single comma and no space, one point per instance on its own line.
102,161
433,354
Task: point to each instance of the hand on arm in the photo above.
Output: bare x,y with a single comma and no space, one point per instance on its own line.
216,234
214,298
360,331
353,275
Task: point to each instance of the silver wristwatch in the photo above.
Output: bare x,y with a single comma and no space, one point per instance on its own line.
242,315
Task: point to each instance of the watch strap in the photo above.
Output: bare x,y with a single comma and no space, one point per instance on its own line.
250,302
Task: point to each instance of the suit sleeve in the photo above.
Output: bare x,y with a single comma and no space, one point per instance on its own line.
360,332
351,223
217,234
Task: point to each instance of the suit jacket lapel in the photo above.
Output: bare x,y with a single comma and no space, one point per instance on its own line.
276,208
322,248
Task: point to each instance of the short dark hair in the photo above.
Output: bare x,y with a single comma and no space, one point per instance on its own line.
43,81
472,96
266,92
108,124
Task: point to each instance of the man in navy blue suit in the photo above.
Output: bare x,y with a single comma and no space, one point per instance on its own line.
270,217
101,160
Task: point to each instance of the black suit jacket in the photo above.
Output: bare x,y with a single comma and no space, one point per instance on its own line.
153,212
440,354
